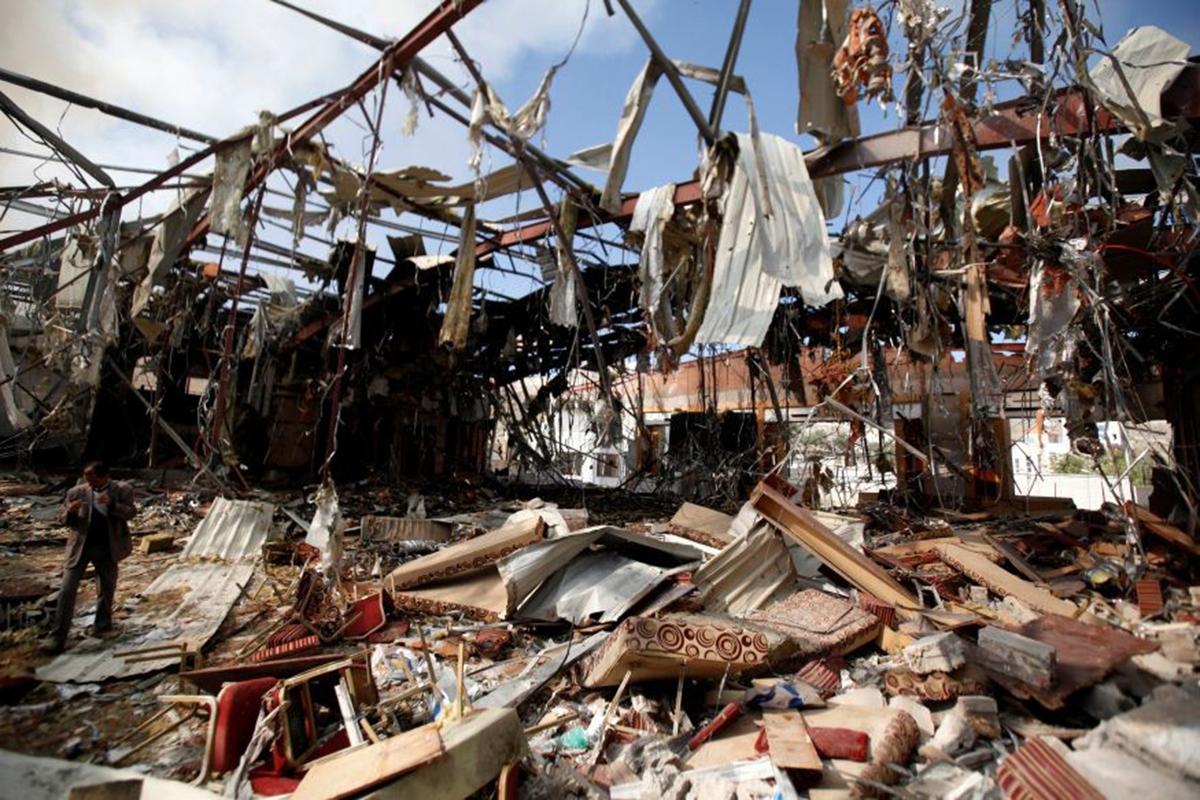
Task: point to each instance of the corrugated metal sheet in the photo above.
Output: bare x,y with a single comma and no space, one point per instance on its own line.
187,603
758,254
232,529
1038,772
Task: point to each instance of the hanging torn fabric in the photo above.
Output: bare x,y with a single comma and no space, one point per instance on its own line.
1053,304
632,113
412,91
14,418
169,236
987,395
358,290
650,217
563,310
457,321
527,121
822,25
78,258
229,182
327,528
757,255
1150,59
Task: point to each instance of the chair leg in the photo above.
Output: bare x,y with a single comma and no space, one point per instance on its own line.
209,702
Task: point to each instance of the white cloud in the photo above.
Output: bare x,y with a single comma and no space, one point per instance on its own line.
211,65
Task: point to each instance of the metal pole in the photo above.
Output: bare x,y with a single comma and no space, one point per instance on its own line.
335,392
731,55
668,67
75,98
55,141
231,327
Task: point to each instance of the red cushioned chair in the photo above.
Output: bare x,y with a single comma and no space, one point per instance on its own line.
231,717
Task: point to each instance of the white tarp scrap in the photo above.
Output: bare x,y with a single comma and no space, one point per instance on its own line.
169,236
14,417
527,121
327,527
229,182
1150,59
1053,303
650,217
757,254
637,100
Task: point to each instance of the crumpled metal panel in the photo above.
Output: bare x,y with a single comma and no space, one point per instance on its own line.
232,529
187,603
757,254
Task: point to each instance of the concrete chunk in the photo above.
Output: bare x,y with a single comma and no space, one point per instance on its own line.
1017,656
942,652
156,542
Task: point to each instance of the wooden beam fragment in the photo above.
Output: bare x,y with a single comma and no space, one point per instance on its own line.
1003,582
368,767
791,746
476,750
770,500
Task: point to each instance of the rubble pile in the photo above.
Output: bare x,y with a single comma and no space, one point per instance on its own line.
531,652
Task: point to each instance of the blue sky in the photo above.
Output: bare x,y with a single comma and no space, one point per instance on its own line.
590,90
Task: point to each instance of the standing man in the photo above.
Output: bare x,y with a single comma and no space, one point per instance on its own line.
98,511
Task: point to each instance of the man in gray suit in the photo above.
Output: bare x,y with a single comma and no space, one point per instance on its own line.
98,512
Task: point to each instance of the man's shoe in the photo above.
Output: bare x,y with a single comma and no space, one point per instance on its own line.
52,647
107,632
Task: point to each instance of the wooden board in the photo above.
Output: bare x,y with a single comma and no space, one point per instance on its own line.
477,749
703,525
770,501
791,746
1003,582
371,766
468,556
1164,530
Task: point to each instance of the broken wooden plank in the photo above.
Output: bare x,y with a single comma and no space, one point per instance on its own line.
466,556
364,768
703,525
790,745
156,542
770,498
1159,527
1010,553
476,749
1003,582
